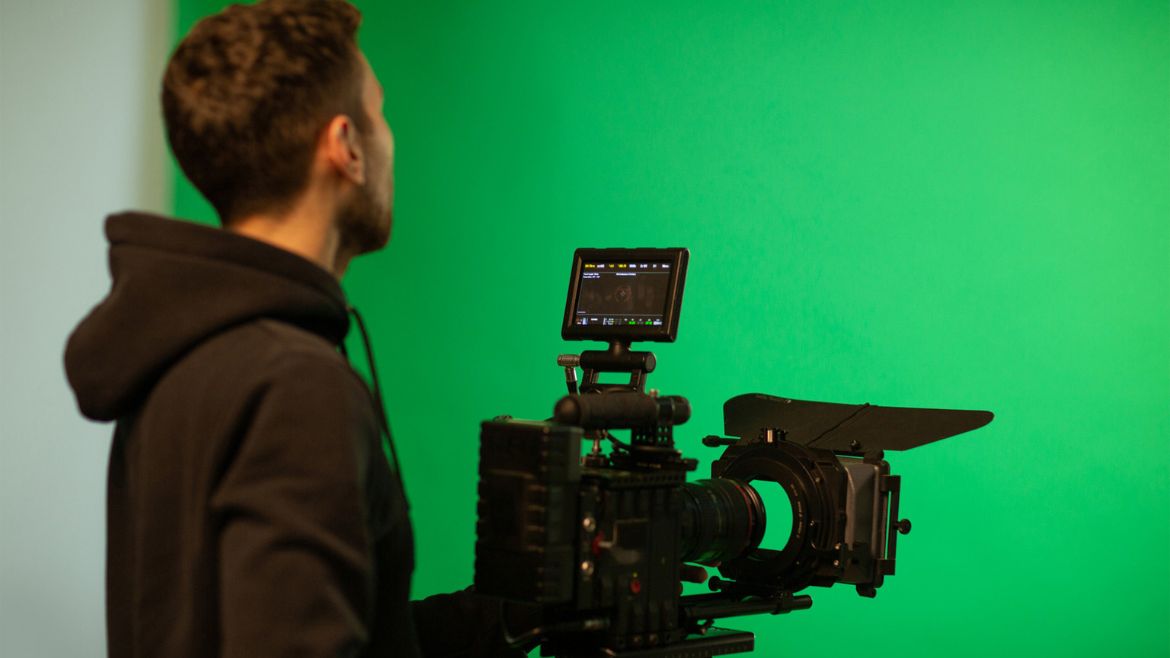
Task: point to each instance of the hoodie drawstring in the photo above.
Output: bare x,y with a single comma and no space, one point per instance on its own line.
378,402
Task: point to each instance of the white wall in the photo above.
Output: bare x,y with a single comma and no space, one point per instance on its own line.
79,137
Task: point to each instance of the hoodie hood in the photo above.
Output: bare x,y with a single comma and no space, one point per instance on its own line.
174,285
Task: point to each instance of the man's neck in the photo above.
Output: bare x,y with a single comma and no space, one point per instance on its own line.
304,231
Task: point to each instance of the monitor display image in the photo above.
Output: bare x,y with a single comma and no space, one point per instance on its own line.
623,293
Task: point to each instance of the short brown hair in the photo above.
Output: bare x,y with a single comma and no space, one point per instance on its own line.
248,91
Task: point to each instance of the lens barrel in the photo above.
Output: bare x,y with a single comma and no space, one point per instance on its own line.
722,519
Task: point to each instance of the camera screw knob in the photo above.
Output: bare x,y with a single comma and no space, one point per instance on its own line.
587,568
903,527
588,523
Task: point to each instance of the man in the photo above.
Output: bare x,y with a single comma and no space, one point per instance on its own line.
251,510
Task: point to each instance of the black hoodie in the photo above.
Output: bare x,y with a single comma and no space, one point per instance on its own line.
251,510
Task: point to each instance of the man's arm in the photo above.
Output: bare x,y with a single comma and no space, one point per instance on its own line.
294,554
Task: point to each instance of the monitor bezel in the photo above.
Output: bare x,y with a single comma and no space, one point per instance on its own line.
676,256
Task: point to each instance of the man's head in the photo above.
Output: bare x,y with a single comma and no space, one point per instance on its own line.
255,96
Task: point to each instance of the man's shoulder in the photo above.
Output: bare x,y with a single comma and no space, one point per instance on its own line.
267,339
262,350
264,363
281,334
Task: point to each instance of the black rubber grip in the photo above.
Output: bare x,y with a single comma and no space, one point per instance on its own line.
619,410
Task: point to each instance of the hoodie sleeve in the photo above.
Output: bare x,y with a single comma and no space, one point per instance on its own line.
294,554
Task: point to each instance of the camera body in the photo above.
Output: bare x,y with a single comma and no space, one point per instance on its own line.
598,548
600,541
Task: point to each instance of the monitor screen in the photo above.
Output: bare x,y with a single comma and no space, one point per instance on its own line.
623,293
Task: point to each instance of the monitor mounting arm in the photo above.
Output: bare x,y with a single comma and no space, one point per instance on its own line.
618,358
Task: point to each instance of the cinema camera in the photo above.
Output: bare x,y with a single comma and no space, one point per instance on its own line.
601,542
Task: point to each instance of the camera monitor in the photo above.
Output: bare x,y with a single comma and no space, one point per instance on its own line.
625,294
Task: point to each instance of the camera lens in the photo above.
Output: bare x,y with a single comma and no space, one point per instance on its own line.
722,519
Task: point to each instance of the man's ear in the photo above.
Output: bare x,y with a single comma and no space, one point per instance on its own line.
342,148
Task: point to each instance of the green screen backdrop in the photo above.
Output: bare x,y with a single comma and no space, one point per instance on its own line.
922,203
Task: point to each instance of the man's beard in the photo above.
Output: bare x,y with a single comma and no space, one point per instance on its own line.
364,224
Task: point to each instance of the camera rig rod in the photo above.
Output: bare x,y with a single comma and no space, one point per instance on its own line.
706,607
